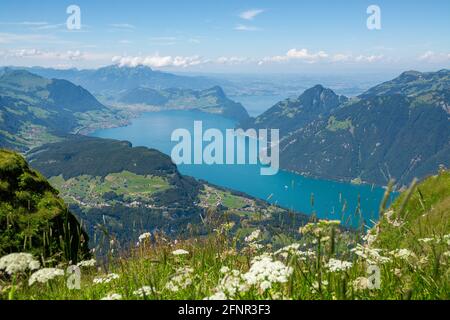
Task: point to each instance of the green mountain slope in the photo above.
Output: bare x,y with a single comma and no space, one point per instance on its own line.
36,110
212,100
120,191
400,130
32,216
374,139
413,83
423,219
292,114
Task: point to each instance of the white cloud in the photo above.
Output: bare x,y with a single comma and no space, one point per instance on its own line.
304,55
25,23
341,57
36,53
36,25
45,55
157,61
434,57
250,14
242,27
51,26
294,54
232,60
370,59
13,37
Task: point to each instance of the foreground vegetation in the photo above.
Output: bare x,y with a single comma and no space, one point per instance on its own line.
404,256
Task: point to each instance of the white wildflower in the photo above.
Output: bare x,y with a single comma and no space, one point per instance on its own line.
255,246
290,249
335,265
319,229
371,255
370,237
217,296
404,254
106,279
264,268
180,252
144,237
315,285
224,269
265,285
232,283
113,296
253,236
44,275
18,262
87,263
444,239
181,280
360,284
396,222
143,292
293,250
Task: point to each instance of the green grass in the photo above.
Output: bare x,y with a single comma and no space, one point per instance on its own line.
326,263
157,267
425,214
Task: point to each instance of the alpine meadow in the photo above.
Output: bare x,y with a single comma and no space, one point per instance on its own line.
196,151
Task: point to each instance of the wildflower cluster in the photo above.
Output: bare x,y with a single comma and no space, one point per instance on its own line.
265,271
105,279
180,252
335,265
180,280
145,237
144,291
44,275
113,296
320,230
87,263
18,262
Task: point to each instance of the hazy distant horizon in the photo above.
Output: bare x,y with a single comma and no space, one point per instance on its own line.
202,36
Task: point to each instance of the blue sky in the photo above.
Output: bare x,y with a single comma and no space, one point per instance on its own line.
228,36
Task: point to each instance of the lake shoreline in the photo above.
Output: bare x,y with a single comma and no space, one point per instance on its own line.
300,193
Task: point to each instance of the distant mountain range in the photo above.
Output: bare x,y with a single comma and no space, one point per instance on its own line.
36,110
112,79
122,190
212,100
399,129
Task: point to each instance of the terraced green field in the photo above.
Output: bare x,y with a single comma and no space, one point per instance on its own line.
124,185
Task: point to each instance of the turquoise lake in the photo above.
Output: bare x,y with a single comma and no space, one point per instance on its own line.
332,200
